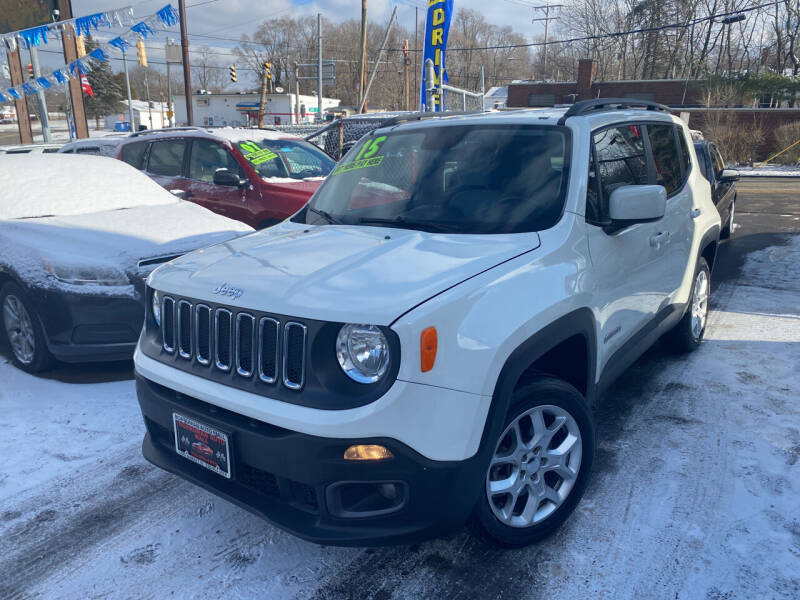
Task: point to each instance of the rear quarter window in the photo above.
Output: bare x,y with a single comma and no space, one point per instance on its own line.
133,154
665,156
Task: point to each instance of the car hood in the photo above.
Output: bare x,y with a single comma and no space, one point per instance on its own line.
336,272
120,238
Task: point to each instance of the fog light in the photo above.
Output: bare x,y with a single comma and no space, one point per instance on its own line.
367,452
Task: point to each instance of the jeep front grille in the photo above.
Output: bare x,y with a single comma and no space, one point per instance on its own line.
236,343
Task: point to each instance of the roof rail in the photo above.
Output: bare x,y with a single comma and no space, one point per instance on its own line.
152,131
600,104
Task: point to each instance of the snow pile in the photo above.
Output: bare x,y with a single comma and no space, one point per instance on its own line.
769,171
62,184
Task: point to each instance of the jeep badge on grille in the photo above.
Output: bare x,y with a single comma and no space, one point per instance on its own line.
226,290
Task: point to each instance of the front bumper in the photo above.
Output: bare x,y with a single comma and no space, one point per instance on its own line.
86,328
291,479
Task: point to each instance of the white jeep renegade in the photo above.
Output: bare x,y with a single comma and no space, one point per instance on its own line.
421,344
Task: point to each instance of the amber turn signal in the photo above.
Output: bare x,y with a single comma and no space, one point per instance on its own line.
428,342
367,452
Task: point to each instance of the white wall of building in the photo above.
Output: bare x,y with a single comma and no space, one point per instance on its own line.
241,110
154,117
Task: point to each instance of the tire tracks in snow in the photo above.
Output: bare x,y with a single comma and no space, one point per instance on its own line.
56,527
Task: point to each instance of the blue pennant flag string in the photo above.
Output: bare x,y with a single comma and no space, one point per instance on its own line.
34,36
99,54
84,25
168,16
2,98
44,82
13,93
76,67
28,89
120,44
143,29
59,76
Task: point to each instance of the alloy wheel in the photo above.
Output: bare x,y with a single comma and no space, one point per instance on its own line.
700,304
19,329
535,466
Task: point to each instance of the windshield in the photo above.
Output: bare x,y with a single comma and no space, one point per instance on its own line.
287,159
460,179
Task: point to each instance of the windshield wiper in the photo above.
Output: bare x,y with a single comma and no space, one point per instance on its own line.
403,222
325,215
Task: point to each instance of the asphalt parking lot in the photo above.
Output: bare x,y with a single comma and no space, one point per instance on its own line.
696,490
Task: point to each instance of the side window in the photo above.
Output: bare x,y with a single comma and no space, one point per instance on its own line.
665,156
620,158
207,157
716,159
133,154
594,212
686,157
166,158
88,150
701,161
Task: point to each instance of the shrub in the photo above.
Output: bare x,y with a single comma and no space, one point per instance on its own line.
785,136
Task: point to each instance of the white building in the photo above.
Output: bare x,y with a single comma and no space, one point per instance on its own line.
241,110
152,116
496,97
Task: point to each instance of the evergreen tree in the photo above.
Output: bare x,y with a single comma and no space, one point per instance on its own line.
106,87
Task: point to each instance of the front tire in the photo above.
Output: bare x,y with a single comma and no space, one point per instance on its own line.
22,330
540,466
688,333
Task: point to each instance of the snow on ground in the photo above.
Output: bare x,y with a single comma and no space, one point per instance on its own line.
696,492
769,171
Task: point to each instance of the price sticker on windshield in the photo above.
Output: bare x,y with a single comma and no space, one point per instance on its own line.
365,158
256,154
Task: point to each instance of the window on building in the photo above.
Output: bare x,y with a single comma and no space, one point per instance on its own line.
541,100
665,156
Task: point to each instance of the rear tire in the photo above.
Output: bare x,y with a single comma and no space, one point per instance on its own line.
543,459
688,333
727,231
22,330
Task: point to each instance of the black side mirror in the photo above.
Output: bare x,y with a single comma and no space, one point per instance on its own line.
227,177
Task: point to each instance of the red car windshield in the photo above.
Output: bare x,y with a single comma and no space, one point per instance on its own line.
292,159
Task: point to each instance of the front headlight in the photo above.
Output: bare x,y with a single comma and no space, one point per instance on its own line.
157,307
363,352
87,275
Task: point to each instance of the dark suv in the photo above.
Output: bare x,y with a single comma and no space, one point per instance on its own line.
256,176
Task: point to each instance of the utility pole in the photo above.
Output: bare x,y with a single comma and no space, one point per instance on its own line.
405,68
40,97
319,66
297,94
23,115
416,53
262,105
363,82
547,18
187,76
363,104
128,86
68,41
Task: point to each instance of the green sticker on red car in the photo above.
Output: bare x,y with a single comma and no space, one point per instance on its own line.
255,154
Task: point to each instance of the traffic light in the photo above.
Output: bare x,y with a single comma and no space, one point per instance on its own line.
233,73
30,71
268,70
141,53
80,45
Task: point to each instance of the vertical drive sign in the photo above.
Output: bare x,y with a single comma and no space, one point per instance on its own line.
437,26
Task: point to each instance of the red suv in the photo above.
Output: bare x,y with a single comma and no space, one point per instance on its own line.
256,176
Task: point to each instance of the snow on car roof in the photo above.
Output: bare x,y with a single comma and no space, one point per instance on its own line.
67,184
241,134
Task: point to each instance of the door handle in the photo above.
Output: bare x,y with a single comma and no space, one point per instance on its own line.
658,238
696,213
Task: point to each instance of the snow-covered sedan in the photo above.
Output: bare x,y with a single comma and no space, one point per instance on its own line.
78,237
